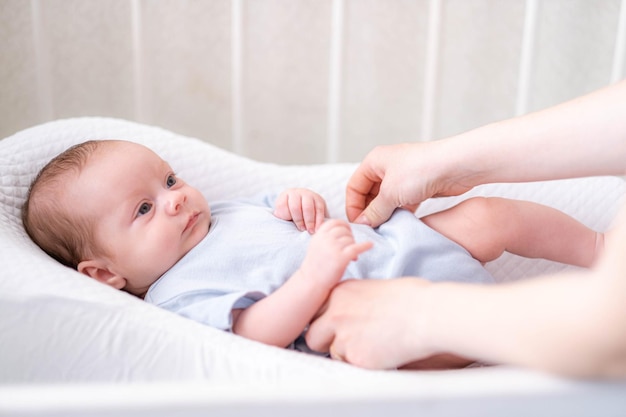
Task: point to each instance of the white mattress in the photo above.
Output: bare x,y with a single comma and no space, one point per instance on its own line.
82,348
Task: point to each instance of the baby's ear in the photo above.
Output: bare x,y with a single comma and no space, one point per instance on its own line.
98,271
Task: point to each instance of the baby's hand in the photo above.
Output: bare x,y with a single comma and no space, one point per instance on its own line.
305,208
331,250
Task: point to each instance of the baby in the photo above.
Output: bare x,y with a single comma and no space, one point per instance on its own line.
262,268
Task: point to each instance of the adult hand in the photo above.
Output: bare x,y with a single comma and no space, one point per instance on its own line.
402,175
582,137
372,323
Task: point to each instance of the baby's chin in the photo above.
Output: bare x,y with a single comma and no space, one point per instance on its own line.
200,238
153,279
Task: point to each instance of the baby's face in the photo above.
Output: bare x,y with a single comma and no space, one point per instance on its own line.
146,218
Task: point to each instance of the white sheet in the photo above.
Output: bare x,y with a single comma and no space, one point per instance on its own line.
59,327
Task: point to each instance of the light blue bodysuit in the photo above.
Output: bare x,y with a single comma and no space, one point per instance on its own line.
248,253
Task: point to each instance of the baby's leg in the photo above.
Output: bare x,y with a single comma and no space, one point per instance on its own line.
486,227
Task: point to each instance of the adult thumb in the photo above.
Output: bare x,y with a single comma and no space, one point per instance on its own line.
377,212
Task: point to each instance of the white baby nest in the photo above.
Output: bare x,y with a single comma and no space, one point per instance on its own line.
60,327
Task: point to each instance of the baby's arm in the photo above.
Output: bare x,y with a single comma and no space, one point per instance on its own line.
280,318
486,227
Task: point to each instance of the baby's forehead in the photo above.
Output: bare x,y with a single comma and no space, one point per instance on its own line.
115,172
123,146
125,159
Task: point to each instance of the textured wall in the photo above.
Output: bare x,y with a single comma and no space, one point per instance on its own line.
303,81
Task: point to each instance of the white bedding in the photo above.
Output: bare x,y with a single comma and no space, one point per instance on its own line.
57,326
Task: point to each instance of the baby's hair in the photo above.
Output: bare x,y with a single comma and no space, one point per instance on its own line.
50,224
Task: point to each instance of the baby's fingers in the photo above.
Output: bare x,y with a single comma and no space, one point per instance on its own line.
313,211
358,248
309,214
296,210
305,208
282,207
320,213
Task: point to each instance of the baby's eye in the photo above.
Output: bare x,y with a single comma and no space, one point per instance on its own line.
171,181
144,209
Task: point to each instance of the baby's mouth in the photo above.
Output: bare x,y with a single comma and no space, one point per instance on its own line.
193,219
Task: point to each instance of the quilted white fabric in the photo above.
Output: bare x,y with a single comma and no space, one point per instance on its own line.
58,326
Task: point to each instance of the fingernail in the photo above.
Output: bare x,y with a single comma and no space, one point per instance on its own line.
362,219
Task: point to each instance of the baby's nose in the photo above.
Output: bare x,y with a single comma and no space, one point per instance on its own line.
174,202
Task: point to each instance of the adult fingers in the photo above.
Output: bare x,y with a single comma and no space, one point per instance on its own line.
378,211
320,334
362,186
335,354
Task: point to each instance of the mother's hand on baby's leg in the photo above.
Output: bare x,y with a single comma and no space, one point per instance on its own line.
372,323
